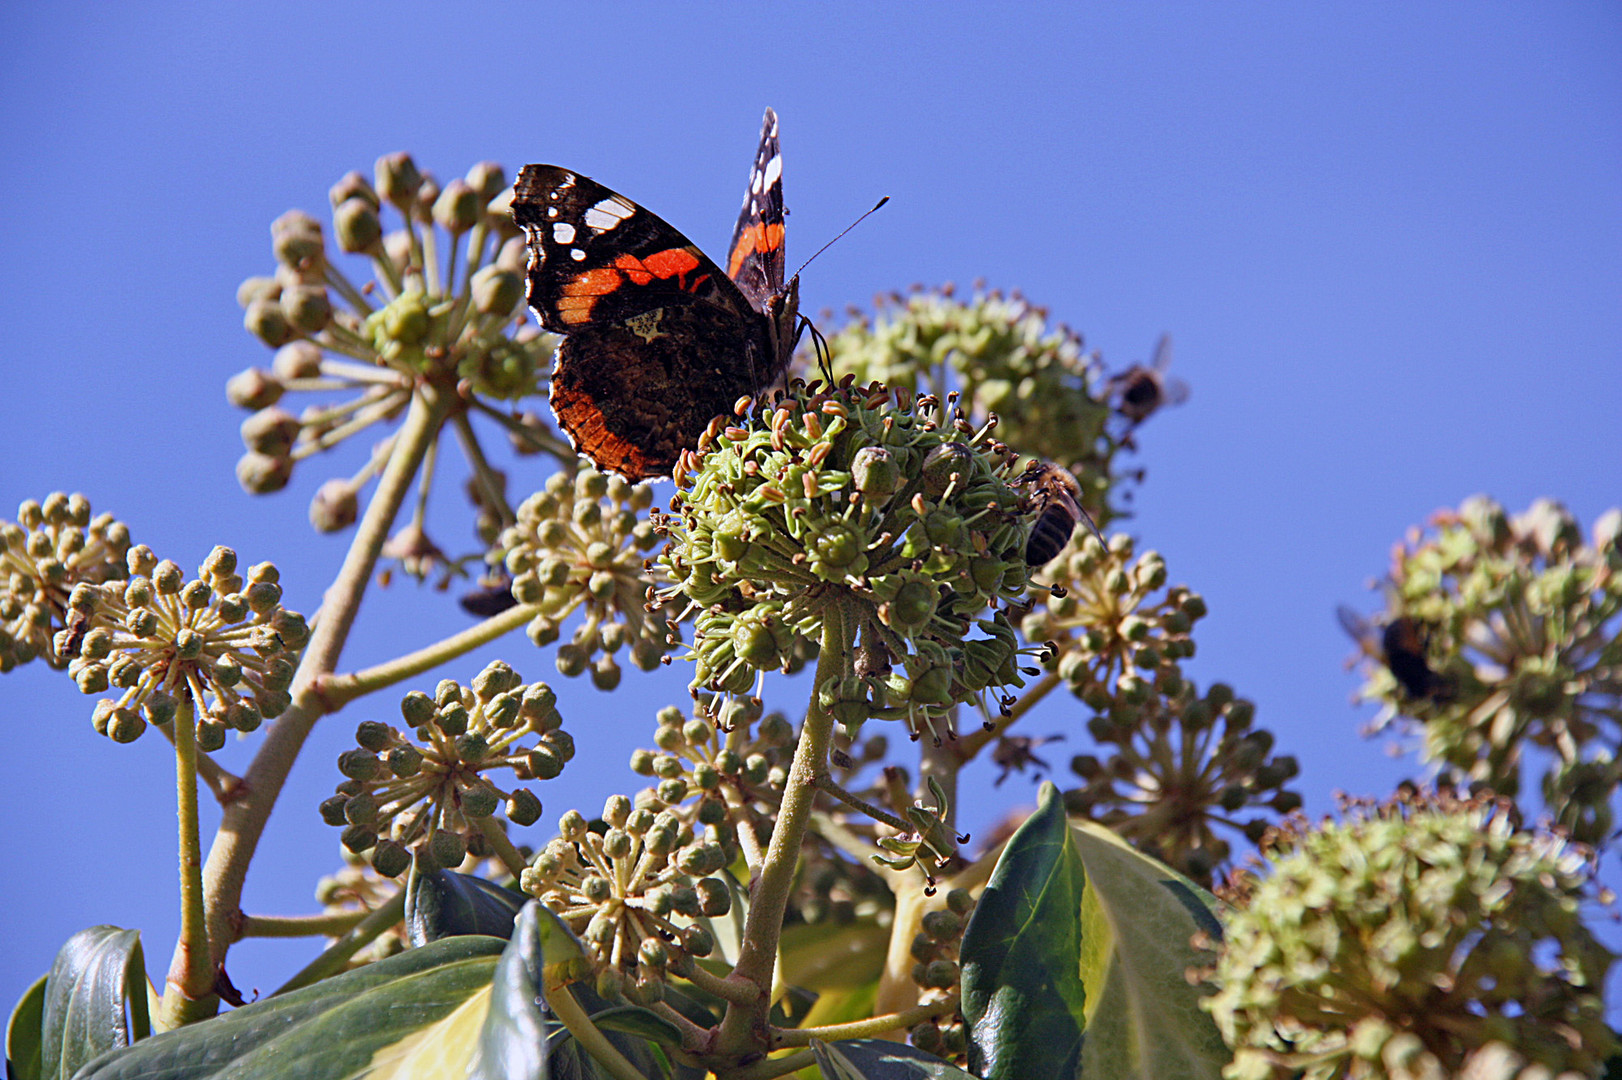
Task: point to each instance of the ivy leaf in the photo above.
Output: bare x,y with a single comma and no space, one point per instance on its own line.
420,1011
1140,921
1023,995
23,1034
98,978
1076,958
444,903
512,1040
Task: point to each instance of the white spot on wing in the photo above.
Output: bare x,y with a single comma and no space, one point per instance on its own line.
774,169
562,232
608,213
576,254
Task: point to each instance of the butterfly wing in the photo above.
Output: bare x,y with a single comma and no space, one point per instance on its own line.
659,341
755,258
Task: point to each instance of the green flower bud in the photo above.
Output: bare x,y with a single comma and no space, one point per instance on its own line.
357,226
358,838
267,320
398,182
496,291
447,848
390,859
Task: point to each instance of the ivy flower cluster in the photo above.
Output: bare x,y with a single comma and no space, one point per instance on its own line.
884,516
1177,767
639,892
1007,360
1518,619
1118,636
434,792
52,548
581,544
444,306
220,646
1408,940
1174,765
725,768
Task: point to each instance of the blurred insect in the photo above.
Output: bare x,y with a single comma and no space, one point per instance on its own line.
1400,646
491,598
1057,499
1016,753
71,636
1138,391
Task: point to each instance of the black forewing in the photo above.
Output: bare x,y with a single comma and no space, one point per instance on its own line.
546,197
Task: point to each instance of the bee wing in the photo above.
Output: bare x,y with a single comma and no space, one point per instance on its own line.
1357,628
1162,358
1173,391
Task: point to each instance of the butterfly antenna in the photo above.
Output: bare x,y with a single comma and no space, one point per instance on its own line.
846,229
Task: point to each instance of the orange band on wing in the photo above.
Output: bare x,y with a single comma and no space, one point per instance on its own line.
669,263
761,236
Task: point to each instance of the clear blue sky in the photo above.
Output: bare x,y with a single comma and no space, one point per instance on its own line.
1387,239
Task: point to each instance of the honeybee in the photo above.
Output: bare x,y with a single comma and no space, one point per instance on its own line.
1400,646
491,598
1057,498
1138,391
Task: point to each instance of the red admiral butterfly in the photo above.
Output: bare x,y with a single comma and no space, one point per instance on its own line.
659,341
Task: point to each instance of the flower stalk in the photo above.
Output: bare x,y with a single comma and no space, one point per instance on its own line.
244,820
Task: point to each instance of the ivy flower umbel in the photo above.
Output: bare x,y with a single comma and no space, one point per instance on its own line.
436,792
50,550
1174,768
221,641
886,511
580,545
1407,938
1519,620
445,307
1005,357
638,892
728,771
1115,634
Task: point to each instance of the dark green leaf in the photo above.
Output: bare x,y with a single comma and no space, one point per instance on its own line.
635,1020
419,1012
1023,995
98,977
512,1042
1139,922
444,903
879,1059
23,1034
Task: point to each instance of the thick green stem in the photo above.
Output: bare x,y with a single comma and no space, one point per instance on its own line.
743,1026
503,848
872,1026
189,992
568,1010
290,926
244,820
339,952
